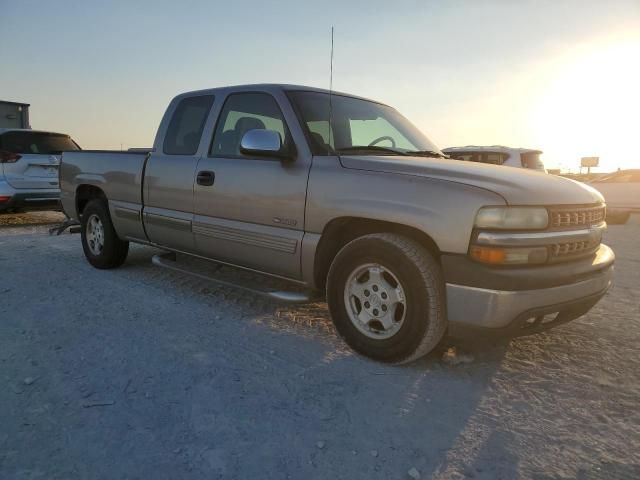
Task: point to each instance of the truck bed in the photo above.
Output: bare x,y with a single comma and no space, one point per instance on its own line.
118,174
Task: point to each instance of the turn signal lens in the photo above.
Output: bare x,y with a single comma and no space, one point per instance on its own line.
509,256
488,254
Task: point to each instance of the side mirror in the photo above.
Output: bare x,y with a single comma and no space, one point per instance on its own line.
267,143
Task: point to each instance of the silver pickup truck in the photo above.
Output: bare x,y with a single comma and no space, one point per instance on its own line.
345,196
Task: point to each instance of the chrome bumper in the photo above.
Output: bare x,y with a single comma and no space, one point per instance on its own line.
479,307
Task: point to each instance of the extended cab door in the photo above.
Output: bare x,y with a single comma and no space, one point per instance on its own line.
170,172
249,211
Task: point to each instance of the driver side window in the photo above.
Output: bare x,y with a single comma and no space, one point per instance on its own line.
243,112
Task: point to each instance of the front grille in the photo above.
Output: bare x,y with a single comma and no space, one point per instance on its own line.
576,217
560,251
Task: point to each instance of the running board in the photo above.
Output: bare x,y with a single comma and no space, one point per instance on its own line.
169,260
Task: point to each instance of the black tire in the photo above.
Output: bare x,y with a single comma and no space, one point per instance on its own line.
419,273
618,217
114,251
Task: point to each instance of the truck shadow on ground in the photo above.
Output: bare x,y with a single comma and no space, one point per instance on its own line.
481,417
192,380
419,415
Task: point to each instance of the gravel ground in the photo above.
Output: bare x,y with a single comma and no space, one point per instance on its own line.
144,373
31,222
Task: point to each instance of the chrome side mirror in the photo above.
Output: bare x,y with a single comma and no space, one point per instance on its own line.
260,142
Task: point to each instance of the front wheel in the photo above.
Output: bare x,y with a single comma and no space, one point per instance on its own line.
100,242
387,298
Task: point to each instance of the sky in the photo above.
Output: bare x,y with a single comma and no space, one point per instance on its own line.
559,75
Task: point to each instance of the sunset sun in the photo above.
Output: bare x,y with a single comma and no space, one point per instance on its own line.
590,105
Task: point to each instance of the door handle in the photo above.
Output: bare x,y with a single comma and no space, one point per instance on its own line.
206,178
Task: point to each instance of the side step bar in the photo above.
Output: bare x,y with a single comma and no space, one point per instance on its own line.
169,260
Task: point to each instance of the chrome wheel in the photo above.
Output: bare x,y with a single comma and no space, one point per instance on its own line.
95,234
375,301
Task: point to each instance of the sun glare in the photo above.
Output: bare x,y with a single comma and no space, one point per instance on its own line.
590,107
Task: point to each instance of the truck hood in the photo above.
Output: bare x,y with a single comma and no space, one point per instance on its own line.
518,186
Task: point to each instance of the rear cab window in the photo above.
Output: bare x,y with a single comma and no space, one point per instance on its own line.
36,143
186,125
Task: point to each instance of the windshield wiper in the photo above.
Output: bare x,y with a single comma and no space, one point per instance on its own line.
427,153
373,148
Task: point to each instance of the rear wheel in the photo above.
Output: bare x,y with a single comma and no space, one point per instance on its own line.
100,243
387,299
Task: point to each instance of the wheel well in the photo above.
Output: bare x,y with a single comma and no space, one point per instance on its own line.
341,231
84,193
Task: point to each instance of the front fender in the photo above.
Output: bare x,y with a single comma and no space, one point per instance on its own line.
443,210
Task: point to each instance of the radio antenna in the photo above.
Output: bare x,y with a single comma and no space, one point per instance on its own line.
331,89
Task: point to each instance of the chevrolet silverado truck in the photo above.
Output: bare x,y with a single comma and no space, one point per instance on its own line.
343,195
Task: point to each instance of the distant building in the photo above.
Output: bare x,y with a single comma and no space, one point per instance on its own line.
14,115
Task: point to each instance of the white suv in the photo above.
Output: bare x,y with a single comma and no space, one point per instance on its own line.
29,161
499,155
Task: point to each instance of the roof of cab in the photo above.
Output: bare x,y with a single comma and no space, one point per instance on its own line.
268,87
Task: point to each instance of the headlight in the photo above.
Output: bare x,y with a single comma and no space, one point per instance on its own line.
512,218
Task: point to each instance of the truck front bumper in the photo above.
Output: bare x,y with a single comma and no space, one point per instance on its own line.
530,310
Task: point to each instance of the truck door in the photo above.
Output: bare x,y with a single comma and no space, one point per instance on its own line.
169,176
249,211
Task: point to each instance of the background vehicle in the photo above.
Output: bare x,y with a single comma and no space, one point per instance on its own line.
352,200
14,114
29,161
621,191
499,155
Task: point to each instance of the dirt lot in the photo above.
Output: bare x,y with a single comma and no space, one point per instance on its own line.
26,223
143,373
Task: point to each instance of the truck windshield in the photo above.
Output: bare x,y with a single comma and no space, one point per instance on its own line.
358,127
44,143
